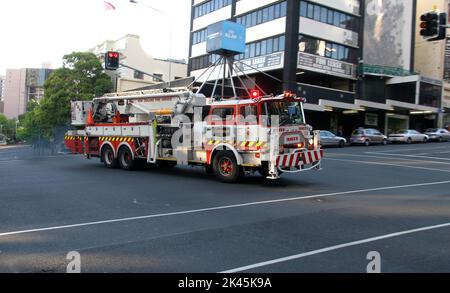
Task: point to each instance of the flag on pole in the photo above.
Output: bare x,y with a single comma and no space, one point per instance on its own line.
108,6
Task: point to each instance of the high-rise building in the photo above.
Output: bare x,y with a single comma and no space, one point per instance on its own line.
2,82
353,60
132,54
313,47
21,86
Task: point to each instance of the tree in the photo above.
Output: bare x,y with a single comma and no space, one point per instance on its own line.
80,78
7,126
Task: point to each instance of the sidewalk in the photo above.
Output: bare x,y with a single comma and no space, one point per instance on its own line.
8,147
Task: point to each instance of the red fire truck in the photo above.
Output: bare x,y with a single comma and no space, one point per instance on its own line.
229,137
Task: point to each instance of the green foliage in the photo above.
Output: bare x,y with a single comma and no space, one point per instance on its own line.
80,78
7,126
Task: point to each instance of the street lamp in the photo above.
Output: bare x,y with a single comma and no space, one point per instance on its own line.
17,123
170,33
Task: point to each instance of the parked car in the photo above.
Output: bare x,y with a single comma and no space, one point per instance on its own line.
408,136
328,138
367,137
438,134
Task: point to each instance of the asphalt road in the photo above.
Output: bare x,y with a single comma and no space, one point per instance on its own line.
393,200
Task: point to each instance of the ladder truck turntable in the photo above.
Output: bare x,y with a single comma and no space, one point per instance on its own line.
180,126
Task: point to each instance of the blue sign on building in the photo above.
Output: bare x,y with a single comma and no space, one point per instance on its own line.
226,38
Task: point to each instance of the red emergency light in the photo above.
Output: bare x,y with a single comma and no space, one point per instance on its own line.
254,94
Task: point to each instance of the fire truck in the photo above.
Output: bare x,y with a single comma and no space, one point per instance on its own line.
179,126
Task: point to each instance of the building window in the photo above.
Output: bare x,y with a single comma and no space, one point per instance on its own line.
138,75
199,36
327,15
327,49
203,61
263,15
209,7
157,77
255,49
263,47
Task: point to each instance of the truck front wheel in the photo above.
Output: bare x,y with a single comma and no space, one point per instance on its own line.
226,168
108,157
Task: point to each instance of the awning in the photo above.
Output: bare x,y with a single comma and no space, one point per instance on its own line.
372,105
340,105
410,106
313,107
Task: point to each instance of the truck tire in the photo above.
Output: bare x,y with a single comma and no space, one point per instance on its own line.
126,160
226,168
108,157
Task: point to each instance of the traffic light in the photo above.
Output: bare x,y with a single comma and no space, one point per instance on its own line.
433,26
111,60
442,32
429,24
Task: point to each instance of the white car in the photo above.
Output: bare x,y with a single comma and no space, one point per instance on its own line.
408,136
438,134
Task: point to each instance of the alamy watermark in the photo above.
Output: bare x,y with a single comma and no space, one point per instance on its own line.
374,266
74,266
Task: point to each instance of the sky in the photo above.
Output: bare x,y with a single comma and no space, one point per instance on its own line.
43,31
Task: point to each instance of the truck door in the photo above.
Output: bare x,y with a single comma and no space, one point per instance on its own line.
248,126
221,124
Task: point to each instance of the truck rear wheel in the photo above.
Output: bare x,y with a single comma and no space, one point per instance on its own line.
226,168
108,157
126,160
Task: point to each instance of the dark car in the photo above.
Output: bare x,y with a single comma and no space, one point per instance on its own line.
438,134
328,138
368,136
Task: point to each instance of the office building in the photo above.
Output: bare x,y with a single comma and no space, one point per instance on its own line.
354,61
21,86
132,54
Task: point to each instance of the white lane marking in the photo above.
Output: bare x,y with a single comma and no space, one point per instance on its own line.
388,164
389,158
222,208
414,156
407,150
335,247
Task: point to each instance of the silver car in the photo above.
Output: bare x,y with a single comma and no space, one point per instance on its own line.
368,137
438,134
328,138
408,136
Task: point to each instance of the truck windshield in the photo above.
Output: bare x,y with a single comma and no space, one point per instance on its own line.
289,113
